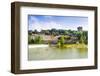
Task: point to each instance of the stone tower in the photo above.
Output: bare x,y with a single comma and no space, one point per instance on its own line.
79,28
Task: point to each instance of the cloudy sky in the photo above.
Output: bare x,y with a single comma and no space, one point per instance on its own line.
42,22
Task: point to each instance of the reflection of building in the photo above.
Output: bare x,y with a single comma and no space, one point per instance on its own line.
79,28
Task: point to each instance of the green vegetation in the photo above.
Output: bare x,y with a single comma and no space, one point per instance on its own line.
75,45
30,40
83,38
66,38
60,42
36,40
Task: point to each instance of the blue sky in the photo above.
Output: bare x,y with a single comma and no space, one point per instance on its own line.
44,22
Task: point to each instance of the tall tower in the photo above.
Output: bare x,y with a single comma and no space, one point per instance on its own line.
80,28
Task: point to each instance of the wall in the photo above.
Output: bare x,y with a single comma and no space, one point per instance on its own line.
5,33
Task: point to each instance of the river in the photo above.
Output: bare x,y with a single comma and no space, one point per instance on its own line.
50,53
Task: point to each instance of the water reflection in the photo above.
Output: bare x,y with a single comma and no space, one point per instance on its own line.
50,53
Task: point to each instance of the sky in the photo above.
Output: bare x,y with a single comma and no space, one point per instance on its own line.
44,22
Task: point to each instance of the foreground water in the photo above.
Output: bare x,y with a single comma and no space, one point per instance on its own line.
50,53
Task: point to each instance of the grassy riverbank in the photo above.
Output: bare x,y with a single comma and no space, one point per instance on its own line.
74,46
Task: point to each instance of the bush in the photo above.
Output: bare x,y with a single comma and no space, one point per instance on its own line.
38,40
61,41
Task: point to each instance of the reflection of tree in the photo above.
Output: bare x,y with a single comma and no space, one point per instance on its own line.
83,51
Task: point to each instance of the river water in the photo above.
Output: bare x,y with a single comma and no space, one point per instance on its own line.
50,53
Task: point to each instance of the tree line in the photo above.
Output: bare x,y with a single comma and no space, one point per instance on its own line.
81,35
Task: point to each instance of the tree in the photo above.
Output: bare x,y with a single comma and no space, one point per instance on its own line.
38,40
83,37
65,32
35,31
47,32
30,32
53,31
61,41
30,40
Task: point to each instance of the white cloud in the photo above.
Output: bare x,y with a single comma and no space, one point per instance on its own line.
34,23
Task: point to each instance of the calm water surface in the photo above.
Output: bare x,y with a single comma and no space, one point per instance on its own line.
50,53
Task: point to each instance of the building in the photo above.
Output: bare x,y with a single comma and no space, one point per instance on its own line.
79,28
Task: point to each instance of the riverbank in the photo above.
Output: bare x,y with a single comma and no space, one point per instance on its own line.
38,45
64,46
75,46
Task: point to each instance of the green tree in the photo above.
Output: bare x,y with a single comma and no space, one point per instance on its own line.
83,38
61,41
38,40
35,31
30,40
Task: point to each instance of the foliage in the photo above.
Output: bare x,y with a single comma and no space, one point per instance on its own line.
65,35
83,37
30,40
36,40
61,41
